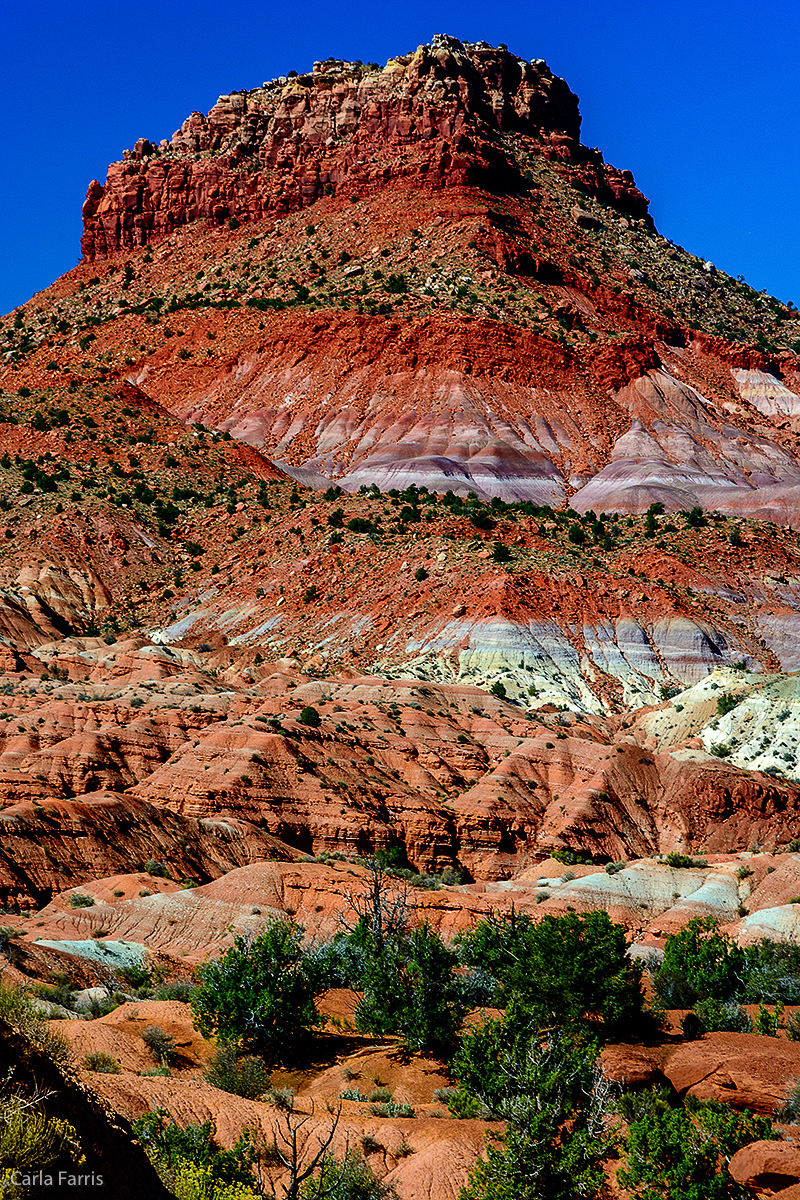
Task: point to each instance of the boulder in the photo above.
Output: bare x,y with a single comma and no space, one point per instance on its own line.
767,1166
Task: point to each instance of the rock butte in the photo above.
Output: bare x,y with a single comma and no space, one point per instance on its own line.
337,286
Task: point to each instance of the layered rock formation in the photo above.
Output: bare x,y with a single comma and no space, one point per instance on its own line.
323,490
434,118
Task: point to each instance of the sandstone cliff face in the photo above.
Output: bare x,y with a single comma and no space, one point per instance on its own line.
434,118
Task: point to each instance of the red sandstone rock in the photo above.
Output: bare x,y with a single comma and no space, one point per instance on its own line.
741,1069
631,1066
436,111
767,1167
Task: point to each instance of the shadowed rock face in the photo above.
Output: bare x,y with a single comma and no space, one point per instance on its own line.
437,115
105,1136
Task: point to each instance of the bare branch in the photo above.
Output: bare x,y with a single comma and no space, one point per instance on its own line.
297,1146
384,905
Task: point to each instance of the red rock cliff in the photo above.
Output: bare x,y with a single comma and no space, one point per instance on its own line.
448,114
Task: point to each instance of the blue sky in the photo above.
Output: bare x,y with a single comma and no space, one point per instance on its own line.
700,100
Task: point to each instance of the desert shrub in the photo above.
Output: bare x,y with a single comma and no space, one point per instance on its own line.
81,900
725,703
498,689
768,1023
340,962
241,1075
349,1178
410,988
568,969
789,1111
717,1016
175,989
392,1108
699,962
682,1153
30,1141
692,1026
104,1064
55,993
160,1044
553,1098
310,716
771,973
479,987
679,861
637,1105
173,1149
260,993
157,869
282,1098
191,1181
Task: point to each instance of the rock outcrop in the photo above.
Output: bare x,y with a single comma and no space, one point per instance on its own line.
739,1069
438,116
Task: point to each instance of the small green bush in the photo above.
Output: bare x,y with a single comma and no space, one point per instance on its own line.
350,1178
680,1153
310,716
246,1075
699,962
31,1141
683,861
81,900
160,1044
789,1112
717,1016
392,1109
261,992
101,1062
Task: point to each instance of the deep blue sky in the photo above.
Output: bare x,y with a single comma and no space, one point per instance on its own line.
699,99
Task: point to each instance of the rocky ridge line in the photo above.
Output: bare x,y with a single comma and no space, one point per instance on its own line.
438,115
